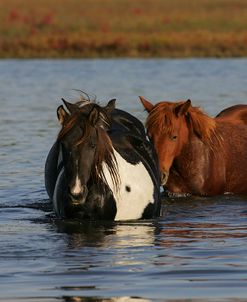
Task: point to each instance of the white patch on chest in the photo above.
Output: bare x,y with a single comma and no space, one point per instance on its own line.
136,189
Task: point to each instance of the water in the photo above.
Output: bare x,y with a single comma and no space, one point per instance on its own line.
197,249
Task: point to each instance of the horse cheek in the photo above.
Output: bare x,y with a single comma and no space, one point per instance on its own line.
166,156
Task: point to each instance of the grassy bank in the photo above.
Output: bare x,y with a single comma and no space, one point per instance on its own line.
123,28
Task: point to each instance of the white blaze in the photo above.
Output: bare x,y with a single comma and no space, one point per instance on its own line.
77,188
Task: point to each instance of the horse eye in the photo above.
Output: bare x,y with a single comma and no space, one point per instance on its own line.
68,153
93,146
174,137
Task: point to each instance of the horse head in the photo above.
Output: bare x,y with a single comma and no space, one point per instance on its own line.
168,130
83,146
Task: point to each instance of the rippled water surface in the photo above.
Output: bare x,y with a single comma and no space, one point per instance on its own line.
196,250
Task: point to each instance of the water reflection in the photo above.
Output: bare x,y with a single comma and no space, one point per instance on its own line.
194,220
124,299
116,235
136,299
183,221
196,243
97,299
196,251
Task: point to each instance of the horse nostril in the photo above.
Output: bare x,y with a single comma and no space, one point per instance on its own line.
79,198
76,196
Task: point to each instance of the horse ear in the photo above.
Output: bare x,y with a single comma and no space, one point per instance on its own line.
62,115
72,108
182,108
94,116
146,104
110,106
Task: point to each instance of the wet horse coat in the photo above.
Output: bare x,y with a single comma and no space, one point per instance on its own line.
116,177
198,154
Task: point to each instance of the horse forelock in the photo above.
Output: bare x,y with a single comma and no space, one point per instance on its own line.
80,118
162,116
105,156
160,119
74,120
104,150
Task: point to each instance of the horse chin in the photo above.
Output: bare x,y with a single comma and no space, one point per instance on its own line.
164,178
83,212
77,212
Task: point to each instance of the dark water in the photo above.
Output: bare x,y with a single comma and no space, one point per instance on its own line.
197,249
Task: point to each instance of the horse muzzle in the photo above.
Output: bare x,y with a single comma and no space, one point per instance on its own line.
78,198
164,177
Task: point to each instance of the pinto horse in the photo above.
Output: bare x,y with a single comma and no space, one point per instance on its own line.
199,155
102,166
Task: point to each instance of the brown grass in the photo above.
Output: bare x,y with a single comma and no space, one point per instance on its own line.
123,28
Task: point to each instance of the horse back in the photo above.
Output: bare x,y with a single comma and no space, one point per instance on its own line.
234,114
234,151
129,138
123,121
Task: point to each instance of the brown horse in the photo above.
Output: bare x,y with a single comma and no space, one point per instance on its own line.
198,154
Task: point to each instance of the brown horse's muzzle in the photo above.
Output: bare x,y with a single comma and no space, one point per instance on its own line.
164,177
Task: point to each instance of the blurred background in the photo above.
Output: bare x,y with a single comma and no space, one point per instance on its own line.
123,28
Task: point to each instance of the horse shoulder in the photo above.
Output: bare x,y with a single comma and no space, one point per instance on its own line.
127,122
51,169
136,190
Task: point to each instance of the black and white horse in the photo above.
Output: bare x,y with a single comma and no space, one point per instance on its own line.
102,166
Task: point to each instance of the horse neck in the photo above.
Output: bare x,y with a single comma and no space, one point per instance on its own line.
198,156
183,139
107,161
194,150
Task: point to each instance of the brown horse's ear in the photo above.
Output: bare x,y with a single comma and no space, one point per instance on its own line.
94,116
183,108
62,115
146,104
72,108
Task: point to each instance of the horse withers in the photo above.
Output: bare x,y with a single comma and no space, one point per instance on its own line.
102,166
199,155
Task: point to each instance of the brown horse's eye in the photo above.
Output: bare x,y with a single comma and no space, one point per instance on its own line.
174,137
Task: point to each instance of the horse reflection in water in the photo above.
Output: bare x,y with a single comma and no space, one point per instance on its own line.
117,235
198,154
102,166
